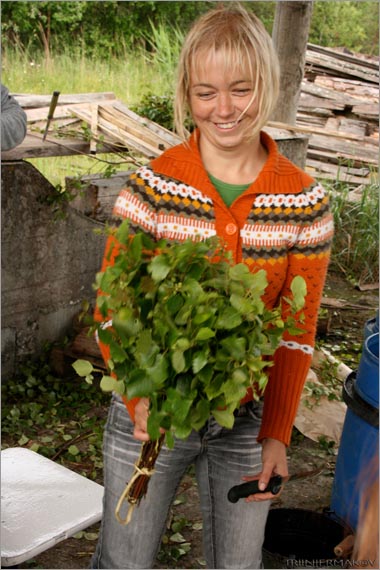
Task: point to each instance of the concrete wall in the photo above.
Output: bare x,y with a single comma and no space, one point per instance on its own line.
48,264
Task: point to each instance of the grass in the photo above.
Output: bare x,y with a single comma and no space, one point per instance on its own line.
129,78
356,241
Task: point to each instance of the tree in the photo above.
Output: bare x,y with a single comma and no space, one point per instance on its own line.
290,35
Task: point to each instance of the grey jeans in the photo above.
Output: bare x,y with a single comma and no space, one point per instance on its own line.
233,533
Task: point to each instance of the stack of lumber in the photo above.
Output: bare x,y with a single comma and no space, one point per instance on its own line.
109,122
338,111
339,101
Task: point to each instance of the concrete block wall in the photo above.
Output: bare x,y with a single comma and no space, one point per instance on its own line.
48,263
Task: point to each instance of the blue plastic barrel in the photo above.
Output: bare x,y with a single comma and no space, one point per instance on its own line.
371,326
367,378
358,446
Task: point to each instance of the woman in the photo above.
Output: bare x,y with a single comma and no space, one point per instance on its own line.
228,179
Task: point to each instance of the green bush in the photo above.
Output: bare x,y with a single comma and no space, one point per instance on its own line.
157,108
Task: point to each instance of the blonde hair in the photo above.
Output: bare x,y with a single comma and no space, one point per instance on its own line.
242,38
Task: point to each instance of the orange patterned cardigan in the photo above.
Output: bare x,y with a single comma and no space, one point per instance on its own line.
281,223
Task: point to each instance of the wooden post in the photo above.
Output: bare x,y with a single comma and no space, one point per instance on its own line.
290,34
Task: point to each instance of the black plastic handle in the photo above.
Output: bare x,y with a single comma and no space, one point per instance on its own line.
252,487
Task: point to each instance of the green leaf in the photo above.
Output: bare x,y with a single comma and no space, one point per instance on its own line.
126,322
136,247
174,303
153,426
238,271
108,383
169,439
177,537
182,431
225,418
123,233
200,414
159,267
243,305
23,440
140,388
178,361
233,392
118,354
73,450
105,335
235,346
229,319
200,360
159,372
83,367
299,290
205,333
240,376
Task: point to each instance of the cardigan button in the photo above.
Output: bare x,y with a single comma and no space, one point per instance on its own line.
231,229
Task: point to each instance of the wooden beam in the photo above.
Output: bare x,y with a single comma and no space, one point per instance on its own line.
33,101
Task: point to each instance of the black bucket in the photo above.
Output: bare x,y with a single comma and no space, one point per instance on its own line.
299,538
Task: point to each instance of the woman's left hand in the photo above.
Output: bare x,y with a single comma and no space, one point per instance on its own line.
274,463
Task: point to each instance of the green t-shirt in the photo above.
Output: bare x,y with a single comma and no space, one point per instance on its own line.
229,192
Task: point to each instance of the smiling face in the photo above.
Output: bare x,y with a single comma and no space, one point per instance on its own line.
222,102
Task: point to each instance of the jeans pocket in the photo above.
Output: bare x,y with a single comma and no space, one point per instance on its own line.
255,410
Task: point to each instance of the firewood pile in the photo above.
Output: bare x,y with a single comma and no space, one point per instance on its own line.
338,111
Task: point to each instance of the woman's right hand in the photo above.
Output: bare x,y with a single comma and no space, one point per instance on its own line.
140,431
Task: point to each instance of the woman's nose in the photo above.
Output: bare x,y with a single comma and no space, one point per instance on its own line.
225,105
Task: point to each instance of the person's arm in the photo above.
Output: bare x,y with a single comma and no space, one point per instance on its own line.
13,121
308,258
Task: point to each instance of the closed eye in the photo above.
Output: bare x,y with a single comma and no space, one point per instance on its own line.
205,96
241,92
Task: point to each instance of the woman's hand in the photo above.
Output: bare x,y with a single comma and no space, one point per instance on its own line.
274,463
140,431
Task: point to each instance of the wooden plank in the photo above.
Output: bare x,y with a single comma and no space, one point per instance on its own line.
61,111
369,111
322,63
28,101
134,128
321,170
312,130
352,87
309,119
359,152
34,147
362,61
312,88
327,157
94,127
345,125
172,138
311,102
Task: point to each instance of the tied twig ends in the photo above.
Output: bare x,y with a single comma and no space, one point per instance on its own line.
137,487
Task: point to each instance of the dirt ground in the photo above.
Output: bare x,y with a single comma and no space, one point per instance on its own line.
182,548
